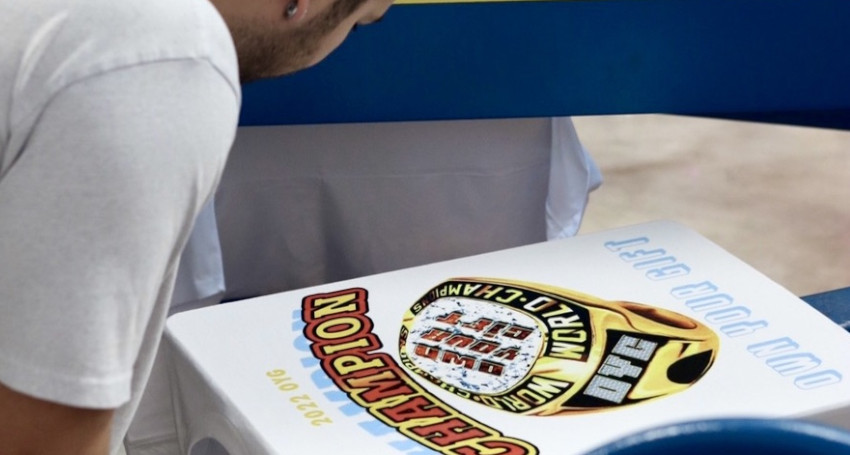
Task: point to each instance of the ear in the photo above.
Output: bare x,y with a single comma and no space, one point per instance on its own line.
295,10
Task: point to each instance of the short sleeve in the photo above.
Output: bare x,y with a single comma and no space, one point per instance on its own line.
93,215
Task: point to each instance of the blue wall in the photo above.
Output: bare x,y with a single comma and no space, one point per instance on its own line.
786,58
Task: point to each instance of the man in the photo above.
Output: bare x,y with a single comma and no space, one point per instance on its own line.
116,118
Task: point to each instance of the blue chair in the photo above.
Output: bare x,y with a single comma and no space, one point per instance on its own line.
734,437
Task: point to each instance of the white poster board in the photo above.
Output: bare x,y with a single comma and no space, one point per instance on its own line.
552,348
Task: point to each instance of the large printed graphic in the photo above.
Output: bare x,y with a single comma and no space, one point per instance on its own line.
341,338
538,350
514,347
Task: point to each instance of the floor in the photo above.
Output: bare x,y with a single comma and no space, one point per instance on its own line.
776,196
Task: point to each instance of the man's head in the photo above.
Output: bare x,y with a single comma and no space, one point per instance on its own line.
277,37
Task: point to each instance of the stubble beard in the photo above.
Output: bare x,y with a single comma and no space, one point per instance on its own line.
264,51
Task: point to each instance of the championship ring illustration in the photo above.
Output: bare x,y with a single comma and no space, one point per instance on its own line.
535,349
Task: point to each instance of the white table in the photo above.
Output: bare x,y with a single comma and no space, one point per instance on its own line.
245,374
358,199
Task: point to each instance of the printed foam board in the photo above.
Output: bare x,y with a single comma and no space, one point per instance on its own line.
552,348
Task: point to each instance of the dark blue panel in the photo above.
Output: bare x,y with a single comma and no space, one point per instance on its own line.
486,60
834,304
733,437
821,118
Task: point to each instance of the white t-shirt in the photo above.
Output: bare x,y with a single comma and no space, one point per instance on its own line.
116,118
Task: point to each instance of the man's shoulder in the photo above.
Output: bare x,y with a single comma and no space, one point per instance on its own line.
78,39
145,30
49,46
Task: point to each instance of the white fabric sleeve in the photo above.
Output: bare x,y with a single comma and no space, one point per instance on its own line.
93,215
572,176
201,272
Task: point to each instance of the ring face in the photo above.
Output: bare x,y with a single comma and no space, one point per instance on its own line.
476,340
534,349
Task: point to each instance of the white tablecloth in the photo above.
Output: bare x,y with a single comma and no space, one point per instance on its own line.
305,205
